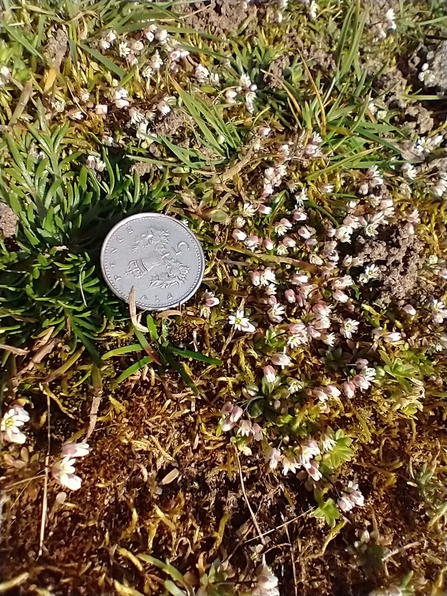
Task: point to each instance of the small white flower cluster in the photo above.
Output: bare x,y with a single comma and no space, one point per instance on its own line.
94,163
63,471
351,497
232,419
11,423
386,24
245,88
203,75
300,457
312,8
362,380
389,337
424,146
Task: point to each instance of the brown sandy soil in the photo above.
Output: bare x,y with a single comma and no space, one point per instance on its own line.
159,481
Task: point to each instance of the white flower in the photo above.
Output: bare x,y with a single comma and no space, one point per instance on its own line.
439,311
313,10
201,73
276,311
244,429
248,210
244,81
389,591
273,458
161,35
231,416
101,109
282,226
425,145
351,497
163,108
266,582
349,327
63,472
149,32
374,177
155,62
390,19
267,276
94,163
5,74
75,449
240,322
11,422
297,340
327,441
289,464
371,272
391,338
269,374
123,49
210,299
409,171
230,96
440,187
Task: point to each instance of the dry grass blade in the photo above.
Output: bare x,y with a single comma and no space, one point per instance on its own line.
133,312
14,350
252,513
45,485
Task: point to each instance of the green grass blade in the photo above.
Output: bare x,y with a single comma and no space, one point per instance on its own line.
194,355
106,62
134,368
122,350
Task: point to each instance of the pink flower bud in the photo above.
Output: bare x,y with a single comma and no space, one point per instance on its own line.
288,242
281,360
252,241
75,449
264,131
299,278
297,328
332,391
299,215
269,244
255,277
311,242
290,296
340,296
348,389
409,310
304,233
269,373
210,299
239,235
264,209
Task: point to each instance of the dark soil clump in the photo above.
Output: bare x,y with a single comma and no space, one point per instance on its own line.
217,16
397,253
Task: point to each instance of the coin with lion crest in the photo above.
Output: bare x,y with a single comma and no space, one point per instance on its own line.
156,255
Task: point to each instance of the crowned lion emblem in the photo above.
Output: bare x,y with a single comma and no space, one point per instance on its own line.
158,261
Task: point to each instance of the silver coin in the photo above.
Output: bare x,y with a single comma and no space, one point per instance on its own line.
156,255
